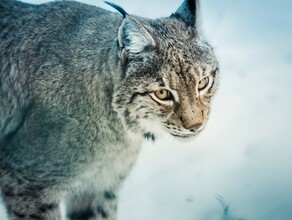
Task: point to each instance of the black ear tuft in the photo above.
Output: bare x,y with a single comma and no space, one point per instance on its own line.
118,8
189,13
192,7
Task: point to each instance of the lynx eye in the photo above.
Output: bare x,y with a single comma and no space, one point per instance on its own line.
163,94
203,83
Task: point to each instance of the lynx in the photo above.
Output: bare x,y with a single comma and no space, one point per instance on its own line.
81,88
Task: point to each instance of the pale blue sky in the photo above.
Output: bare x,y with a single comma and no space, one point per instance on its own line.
245,153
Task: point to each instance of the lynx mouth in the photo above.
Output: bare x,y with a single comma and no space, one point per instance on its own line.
187,136
183,135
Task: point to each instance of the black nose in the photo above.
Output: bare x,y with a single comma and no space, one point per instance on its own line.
195,127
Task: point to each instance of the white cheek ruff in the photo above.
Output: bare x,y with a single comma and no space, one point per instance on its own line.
153,127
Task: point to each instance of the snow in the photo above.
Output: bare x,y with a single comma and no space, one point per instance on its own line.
245,152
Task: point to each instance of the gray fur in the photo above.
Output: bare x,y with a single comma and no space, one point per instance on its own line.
77,90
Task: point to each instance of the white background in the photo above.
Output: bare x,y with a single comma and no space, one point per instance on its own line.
245,152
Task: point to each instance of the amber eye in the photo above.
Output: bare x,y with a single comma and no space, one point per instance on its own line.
203,83
163,94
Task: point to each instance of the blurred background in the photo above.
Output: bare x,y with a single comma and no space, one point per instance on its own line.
244,156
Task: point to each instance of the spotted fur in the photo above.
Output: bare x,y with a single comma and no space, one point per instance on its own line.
78,96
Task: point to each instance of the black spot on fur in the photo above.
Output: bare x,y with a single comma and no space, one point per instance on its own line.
35,217
19,215
8,193
101,211
141,107
127,118
149,136
109,195
81,214
31,194
122,177
126,113
47,207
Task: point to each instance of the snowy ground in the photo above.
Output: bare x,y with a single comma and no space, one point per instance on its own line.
245,153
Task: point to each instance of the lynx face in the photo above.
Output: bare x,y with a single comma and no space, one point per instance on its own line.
170,76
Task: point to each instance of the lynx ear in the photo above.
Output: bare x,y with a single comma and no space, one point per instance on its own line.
133,36
189,13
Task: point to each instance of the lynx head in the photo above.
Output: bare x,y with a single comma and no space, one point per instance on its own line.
169,73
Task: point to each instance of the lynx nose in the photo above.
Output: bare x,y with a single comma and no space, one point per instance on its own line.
195,127
192,124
